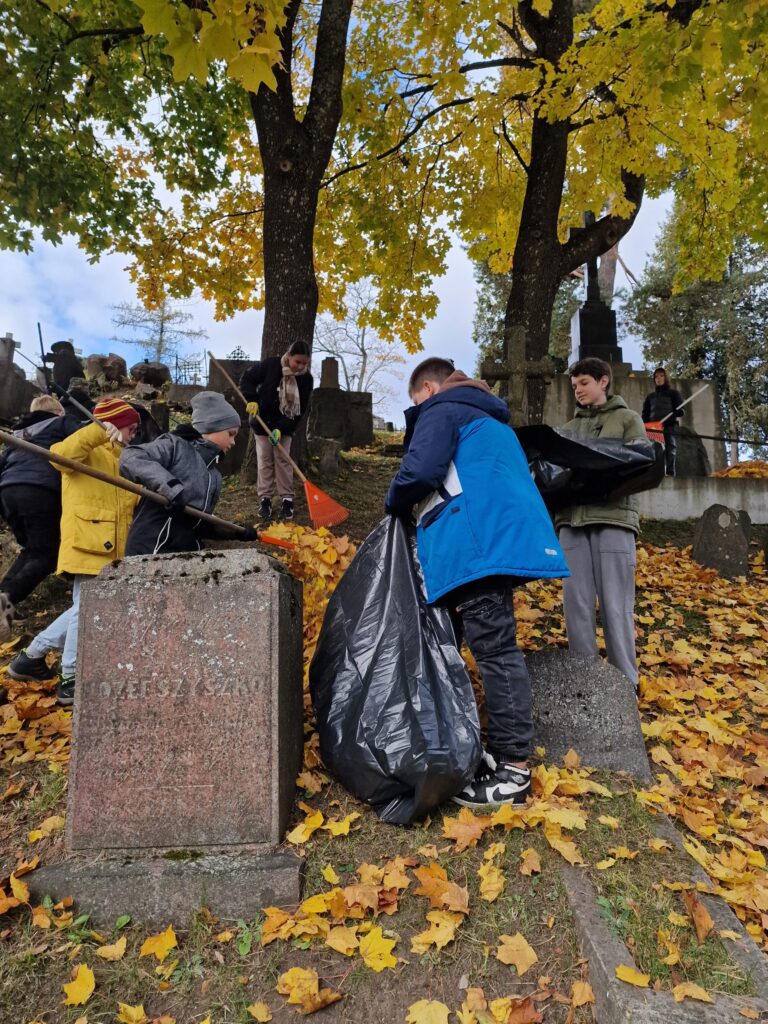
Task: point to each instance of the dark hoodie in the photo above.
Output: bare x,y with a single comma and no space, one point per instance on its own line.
43,429
180,466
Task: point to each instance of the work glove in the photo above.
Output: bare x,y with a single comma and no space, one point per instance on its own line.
113,433
250,534
274,437
252,408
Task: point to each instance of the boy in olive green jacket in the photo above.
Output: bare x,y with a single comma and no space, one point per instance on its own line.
599,540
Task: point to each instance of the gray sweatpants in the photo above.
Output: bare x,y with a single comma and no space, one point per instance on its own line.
602,563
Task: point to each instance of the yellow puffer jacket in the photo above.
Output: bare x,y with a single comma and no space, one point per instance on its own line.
95,516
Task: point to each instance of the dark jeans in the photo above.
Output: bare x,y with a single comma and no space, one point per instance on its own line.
34,515
483,612
670,450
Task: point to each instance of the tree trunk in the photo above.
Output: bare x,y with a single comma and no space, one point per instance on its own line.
295,155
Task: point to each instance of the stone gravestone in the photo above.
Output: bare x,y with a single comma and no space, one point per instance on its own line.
587,705
188,737
721,540
329,373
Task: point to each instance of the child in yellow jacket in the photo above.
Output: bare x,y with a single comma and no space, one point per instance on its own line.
95,520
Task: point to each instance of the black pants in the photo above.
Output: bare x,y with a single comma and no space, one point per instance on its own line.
34,515
483,612
670,450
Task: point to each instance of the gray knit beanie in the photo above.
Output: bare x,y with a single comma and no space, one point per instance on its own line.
211,412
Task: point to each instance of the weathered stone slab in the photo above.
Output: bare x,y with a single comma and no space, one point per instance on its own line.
721,540
588,705
159,891
188,711
619,1003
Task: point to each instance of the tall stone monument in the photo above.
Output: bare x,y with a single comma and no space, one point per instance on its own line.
188,737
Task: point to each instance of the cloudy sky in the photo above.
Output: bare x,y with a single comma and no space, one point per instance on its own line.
73,299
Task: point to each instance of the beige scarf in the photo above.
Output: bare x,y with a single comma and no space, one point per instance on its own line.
288,391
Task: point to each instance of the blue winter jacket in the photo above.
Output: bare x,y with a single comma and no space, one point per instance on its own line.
478,512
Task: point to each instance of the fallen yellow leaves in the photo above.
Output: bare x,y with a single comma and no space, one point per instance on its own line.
80,989
302,986
515,950
442,930
376,951
687,990
442,894
427,1011
260,1012
632,976
159,945
128,1014
114,952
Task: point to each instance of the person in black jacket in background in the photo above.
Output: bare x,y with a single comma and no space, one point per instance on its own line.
30,501
66,365
279,390
657,405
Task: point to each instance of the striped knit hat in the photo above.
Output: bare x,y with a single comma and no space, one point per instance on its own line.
116,411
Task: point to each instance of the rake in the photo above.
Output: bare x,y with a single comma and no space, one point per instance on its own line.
323,510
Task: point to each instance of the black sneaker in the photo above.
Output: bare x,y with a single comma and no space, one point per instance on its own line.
65,692
265,508
286,511
30,670
494,784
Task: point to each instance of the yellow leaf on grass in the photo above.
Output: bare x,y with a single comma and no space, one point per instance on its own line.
298,982
260,1012
749,1013
679,920
632,976
340,828
19,889
622,853
581,993
702,920
530,862
427,1011
441,931
225,936
603,865
727,933
606,819
131,1014
114,952
159,945
306,828
687,990
80,989
515,950
317,1000
659,845
376,951
442,893
53,824
564,846
330,875
343,940
492,881
465,829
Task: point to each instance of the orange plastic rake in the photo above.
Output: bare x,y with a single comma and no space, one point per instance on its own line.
323,510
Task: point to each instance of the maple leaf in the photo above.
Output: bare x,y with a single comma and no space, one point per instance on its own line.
297,983
330,875
442,893
260,1012
131,1014
581,993
530,862
19,889
442,930
80,989
687,990
343,940
465,829
427,1011
340,828
492,881
376,951
515,950
159,945
702,920
565,847
524,1012
314,1001
303,831
114,952
632,976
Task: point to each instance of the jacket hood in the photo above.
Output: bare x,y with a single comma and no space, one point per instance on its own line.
459,379
613,403
187,432
30,418
470,392
209,451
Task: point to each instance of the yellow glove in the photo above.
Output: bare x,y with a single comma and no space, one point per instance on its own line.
274,437
252,408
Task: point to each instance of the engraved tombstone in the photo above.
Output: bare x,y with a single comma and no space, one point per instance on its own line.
188,736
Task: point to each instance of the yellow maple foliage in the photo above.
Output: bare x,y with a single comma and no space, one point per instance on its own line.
688,990
632,976
113,952
376,950
581,993
442,930
516,950
80,989
128,1014
260,1012
427,1011
159,945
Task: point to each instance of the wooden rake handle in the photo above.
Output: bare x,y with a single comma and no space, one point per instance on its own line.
283,453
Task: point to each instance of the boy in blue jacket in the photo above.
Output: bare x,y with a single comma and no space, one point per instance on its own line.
481,529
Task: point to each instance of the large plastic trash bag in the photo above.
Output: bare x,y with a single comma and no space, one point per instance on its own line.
579,471
395,710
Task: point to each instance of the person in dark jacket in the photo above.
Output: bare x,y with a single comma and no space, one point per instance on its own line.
66,365
660,403
278,390
481,529
181,466
30,502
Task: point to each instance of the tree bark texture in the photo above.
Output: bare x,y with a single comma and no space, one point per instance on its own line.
295,155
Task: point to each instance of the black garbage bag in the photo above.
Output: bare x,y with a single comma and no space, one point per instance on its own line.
570,470
395,710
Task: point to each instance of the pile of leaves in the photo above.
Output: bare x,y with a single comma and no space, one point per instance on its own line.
752,469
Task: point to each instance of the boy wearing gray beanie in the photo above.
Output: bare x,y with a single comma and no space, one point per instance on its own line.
181,466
